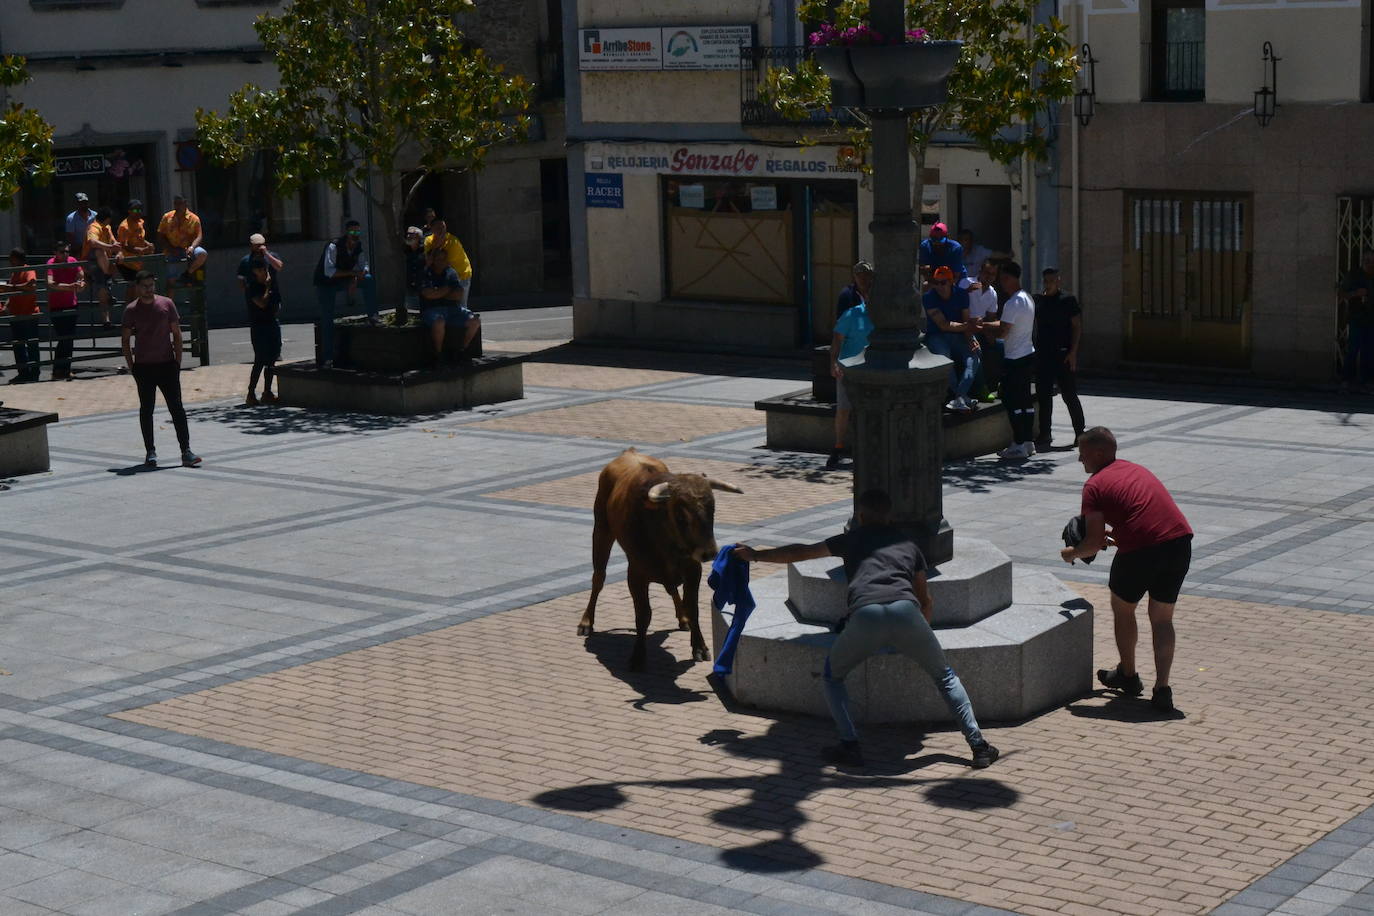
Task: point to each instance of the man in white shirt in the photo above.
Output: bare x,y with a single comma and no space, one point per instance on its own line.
974,254
982,306
1015,329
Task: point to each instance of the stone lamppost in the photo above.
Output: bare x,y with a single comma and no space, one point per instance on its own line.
898,390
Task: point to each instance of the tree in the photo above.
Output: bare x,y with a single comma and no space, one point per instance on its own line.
369,88
1012,70
25,139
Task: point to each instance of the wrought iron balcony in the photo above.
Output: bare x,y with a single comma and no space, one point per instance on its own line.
754,64
550,84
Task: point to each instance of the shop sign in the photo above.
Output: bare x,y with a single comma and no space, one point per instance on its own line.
75,166
620,49
606,190
726,160
690,47
714,47
763,197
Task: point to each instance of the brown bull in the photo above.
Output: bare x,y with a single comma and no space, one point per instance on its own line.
664,522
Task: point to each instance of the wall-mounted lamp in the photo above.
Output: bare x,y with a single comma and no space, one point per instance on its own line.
1085,99
1267,97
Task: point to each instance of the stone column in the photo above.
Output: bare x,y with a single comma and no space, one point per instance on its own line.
898,391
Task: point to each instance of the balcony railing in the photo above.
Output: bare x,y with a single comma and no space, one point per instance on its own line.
754,64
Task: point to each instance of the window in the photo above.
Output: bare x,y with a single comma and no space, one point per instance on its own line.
729,239
1178,58
234,202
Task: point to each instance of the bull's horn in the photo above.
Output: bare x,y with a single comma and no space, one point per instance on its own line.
722,485
658,493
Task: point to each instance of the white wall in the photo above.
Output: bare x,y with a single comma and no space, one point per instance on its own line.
157,25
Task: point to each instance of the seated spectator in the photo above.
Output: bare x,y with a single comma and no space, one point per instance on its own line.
415,269
974,254
458,259
441,295
950,332
101,249
21,287
132,236
181,236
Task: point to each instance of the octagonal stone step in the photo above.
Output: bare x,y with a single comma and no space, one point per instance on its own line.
975,583
1029,657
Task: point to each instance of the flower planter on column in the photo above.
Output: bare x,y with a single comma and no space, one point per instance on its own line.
900,77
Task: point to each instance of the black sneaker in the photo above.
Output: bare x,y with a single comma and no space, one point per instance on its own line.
1163,699
846,753
1113,678
190,459
150,460
1043,445
833,461
983,755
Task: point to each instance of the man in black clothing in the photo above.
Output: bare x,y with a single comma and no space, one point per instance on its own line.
1058,329
1359,318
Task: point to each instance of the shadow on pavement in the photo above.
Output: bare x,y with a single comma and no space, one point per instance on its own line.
275,421
774,802
657,683
1240,393
978,476
140,468
797,466
1123,709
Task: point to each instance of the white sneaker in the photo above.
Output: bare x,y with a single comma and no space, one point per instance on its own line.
970,404
956,404
1029,447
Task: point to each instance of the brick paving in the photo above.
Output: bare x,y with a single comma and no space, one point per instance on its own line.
341,675
89,395
1100,805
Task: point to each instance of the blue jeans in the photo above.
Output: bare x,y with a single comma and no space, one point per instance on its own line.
327,297
966,362
901,626
1359,353
24,339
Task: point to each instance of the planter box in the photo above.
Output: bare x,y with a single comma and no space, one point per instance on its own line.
24,441
894,77
389,349
488,379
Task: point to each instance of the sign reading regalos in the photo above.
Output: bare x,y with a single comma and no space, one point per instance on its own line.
726,160
692,47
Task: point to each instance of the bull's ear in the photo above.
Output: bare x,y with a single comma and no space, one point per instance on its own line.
658,493
722,485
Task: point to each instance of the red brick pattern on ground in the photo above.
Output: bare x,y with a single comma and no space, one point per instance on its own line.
1093,808
625,420
769,491
595,378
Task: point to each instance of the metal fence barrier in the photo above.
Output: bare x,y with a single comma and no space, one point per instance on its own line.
93,339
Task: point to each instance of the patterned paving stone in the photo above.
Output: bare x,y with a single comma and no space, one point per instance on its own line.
769,490
1100,806
595,378
631,421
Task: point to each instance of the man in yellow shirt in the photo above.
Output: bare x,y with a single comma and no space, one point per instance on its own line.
132,236
181,236
102,249
457,258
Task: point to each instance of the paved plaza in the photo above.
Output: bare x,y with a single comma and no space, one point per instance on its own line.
334,670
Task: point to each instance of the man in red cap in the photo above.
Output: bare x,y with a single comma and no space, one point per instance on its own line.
939,250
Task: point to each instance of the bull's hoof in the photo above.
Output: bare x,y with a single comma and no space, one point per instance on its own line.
684,625
701,654
584,629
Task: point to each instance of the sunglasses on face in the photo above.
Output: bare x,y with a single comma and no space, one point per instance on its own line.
355,232
942,283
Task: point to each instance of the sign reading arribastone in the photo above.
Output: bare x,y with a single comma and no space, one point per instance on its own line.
722,159
688,47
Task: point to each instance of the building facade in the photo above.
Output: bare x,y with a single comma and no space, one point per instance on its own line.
700,220
120,80
1204,239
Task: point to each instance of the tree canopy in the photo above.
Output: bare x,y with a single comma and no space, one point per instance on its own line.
1012,69
25,139
369,87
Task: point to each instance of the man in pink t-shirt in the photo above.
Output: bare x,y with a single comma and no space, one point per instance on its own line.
1126,506
152,351
64,283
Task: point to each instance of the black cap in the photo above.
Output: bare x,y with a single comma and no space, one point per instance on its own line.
1049,270
135,203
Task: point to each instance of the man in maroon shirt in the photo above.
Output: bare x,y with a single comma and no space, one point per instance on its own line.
1154,546
152,350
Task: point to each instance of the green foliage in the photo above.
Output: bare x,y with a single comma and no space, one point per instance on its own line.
1010,71
369,86
25,139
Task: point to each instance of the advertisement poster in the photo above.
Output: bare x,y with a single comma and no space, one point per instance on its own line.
620,49
763,197
692,196
714,47
606,190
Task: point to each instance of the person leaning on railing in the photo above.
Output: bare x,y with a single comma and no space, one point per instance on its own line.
64,282
22,307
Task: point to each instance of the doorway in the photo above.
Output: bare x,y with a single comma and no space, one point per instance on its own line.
985,210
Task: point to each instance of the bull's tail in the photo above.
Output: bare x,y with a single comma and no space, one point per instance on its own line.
602,542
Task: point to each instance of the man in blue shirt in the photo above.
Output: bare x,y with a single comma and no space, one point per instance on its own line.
939,250
950,332
849,340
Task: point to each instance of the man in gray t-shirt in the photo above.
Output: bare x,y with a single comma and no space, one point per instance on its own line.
887,579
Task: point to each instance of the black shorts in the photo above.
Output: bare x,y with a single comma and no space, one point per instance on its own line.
1158,570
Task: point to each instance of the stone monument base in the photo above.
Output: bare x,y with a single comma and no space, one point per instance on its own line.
24,441
1016,661
487,379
